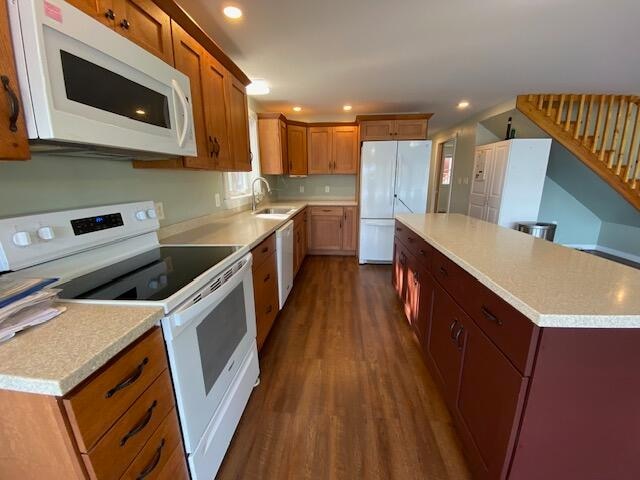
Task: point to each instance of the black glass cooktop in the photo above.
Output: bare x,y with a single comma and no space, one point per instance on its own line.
153,275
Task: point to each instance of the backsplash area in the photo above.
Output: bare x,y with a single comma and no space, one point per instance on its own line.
54,183
341,187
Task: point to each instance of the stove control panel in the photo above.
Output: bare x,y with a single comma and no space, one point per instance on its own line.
32,239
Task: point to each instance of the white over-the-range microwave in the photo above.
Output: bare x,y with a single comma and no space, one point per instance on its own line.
88,91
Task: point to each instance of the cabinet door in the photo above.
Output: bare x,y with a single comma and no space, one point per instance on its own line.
489,405
239,127
297,248
399,271
190,60
144,23
412,292
377,130
345,150
284,147
305,234
411,130
422,319
326,232
216,114
446,342
319,146
350,224
101,10
297,149
265,285
14,143
270,144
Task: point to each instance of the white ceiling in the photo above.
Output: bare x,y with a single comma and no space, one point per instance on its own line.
386,56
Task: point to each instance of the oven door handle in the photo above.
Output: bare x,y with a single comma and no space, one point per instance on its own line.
188,314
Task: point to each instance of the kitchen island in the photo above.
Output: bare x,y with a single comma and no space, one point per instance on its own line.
534,346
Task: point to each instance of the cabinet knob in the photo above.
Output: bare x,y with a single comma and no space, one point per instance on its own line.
110,14
125,24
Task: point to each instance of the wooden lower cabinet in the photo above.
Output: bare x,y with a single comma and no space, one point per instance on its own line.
265,287
332,230
119,423
299,240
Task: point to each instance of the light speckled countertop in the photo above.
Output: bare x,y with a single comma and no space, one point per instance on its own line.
554,286
55,357
244,228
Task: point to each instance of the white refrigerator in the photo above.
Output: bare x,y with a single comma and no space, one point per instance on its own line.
394,178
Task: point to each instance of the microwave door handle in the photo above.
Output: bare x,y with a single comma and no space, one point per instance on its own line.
185,108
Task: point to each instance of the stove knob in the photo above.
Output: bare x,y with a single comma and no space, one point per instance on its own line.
46,233
151,213
22,239
141,215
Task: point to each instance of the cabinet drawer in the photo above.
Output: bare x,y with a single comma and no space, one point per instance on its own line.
452,277
263,250
265,286
114,451
509,329
176,466
327,211
155,454
414,243
96,404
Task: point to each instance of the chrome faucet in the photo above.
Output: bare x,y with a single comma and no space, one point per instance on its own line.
254,200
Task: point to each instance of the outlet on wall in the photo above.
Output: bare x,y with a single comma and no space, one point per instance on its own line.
327,189
301,188
217,197
159,210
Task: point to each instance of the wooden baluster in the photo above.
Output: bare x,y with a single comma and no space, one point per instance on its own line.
540,101
587,124
622,109
530,98
567,124
550,105
607,124
634,148
625,139
596,133
576,133
559,115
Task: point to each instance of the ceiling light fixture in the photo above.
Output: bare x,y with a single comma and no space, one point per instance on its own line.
347,108
297,109
463,104
258,86
232,12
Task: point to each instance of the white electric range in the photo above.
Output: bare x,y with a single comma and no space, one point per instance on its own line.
111,255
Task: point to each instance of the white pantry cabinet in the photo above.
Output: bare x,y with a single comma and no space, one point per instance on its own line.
507,181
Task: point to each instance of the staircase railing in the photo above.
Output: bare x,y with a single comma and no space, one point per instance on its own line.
602,130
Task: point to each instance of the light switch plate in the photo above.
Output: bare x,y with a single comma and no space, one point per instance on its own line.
327,189
301,188
217,197
159,210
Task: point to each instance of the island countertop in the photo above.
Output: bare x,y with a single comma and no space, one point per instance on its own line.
552,285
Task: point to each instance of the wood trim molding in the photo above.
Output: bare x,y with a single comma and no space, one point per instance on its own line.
182,18
272,116
398,116
281,116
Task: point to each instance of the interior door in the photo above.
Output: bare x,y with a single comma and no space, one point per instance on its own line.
412,177
480,182
377,179
498,171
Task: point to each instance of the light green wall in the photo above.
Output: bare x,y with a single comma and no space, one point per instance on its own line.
340,187
54,183
623,238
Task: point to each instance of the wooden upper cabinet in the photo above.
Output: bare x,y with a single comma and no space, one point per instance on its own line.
319,150
14,143
297,149
190,59
239,126
101,10
217,115
284,146
272,144
350,230
393,127
345,150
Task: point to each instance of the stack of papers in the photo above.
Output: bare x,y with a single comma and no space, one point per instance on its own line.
25,303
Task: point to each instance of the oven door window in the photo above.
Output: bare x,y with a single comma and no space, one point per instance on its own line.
97,87
219,334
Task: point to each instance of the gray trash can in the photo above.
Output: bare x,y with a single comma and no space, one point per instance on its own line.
539,229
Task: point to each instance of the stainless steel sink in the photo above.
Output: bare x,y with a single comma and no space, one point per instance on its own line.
274,212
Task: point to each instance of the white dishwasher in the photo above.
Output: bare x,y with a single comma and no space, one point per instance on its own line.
284,248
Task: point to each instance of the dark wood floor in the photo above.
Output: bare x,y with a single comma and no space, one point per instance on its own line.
344,393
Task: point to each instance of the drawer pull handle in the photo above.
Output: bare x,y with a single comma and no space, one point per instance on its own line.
326,210
398,229
458,336
14,104
129,380
265,249
266,279
154,463
140,426
410,239
452,328
490,316
443,271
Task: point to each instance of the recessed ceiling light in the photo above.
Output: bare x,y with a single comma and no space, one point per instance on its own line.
232,12
347,108
297,109
463,104
258,86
